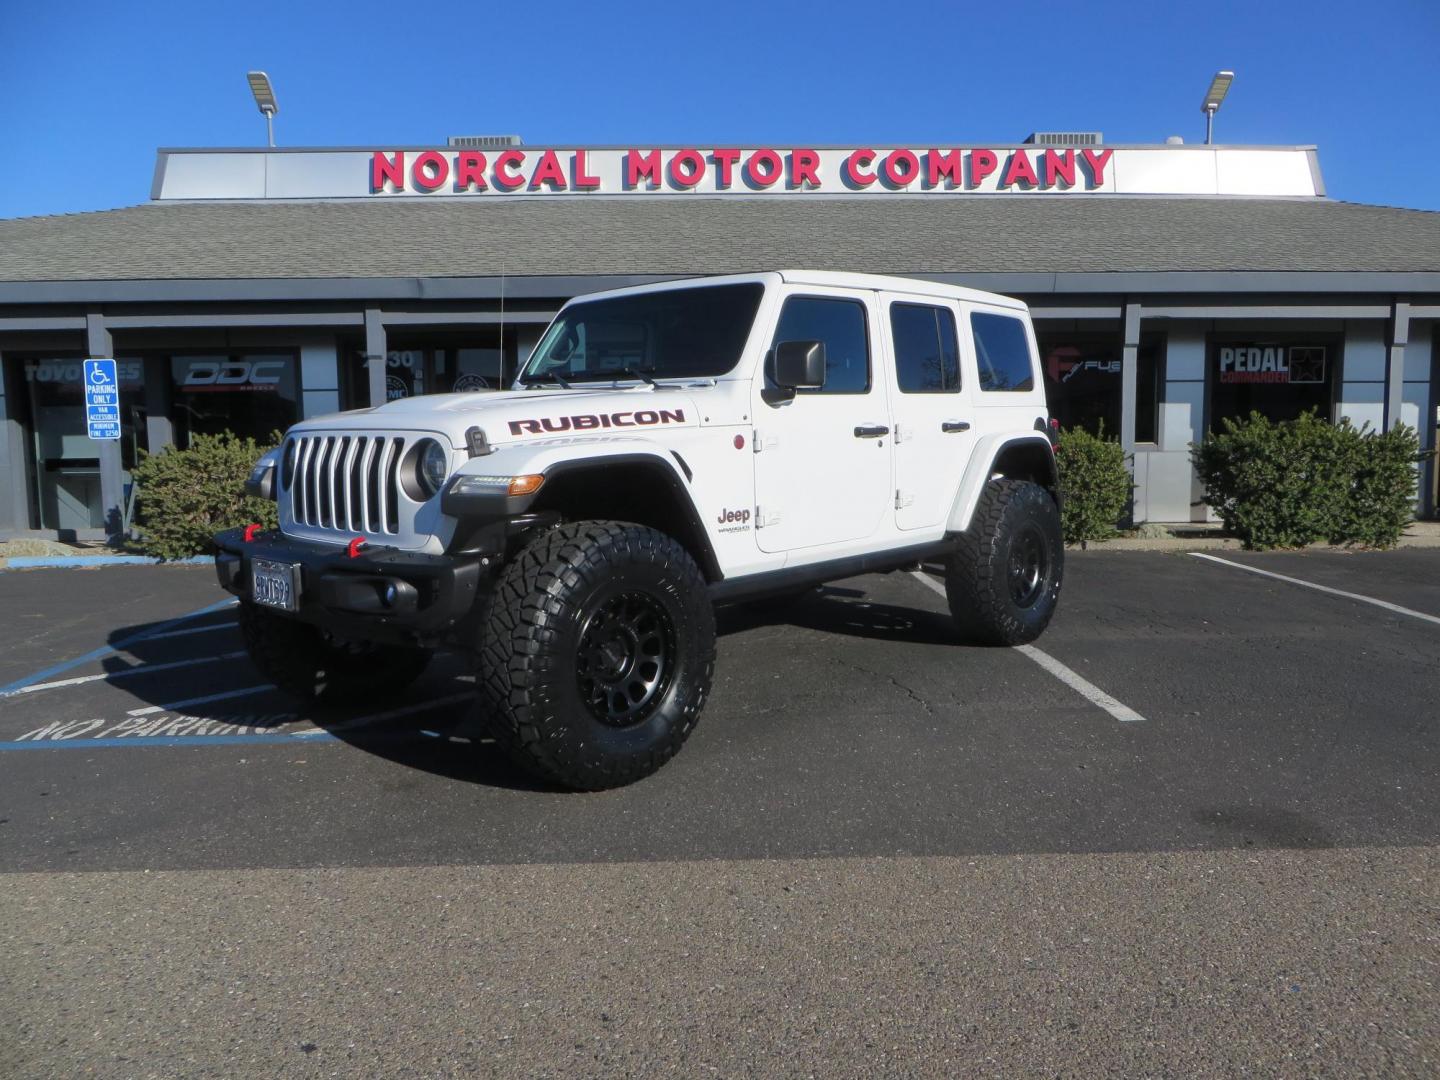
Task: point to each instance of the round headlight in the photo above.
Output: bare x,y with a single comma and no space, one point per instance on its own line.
434,466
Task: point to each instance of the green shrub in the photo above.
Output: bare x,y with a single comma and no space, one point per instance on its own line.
1295,482
1382,489
1095,485
185,496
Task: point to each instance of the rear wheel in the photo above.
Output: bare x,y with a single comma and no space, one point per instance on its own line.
597,654
310,664
1004,581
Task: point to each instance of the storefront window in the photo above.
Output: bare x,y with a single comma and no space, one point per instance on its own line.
251,394
1083,381
1278,377
64,461
434,363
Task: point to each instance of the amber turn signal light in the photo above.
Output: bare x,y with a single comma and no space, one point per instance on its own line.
526,485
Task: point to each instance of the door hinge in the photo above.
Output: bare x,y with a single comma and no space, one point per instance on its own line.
764,442
765,518
903,499
899,433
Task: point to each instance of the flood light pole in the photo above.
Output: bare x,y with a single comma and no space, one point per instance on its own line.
1219,87
264,95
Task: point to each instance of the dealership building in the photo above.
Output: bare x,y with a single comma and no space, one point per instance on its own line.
1172,286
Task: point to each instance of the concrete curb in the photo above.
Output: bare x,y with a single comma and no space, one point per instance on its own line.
28,562
1226,543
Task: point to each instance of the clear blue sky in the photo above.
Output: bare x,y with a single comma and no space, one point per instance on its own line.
91,89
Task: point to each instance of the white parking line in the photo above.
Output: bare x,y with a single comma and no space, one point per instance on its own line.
1082,686
138,669
201,700
1321,588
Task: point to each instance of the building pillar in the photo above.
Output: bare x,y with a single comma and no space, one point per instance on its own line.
319,378
375,355
159,424
1129,395
1129,376
1398,335
100,345
14,511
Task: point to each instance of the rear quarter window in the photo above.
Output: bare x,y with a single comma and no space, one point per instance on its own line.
1002,352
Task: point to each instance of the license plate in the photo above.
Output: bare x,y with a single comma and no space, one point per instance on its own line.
275,585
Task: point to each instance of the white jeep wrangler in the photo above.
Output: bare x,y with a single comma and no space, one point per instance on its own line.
664,449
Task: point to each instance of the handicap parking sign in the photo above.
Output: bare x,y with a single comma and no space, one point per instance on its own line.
102,400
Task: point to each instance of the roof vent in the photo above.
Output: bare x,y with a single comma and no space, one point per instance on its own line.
483,142
1174,140
1065,138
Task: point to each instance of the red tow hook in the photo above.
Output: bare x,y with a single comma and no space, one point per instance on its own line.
353,549
250,531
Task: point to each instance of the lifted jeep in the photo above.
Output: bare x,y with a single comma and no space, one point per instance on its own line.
664,449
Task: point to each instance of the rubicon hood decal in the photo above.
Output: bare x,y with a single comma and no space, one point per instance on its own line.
596,421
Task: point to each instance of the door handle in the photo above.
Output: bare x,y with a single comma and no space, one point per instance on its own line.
948,426
871,431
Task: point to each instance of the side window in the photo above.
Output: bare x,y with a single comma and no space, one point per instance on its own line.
840,324
1002,352
927,353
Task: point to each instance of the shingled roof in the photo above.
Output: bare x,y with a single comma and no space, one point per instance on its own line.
597,235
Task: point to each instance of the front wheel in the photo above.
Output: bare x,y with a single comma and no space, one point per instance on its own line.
1004,581
311,665
597,654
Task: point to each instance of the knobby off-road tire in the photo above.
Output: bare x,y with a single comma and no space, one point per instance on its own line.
1004,581
306,663
597,654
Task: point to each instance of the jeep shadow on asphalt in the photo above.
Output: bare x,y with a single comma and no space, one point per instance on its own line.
451,740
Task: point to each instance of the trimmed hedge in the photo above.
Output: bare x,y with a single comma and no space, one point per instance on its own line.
1095,485
1296,482
186,496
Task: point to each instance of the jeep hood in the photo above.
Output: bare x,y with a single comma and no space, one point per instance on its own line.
519,415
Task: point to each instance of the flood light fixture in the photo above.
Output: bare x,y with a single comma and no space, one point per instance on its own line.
1219,87
264,95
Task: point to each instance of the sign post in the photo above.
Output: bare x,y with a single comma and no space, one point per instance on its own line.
102,423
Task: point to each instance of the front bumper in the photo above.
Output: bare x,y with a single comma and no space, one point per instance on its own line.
382,594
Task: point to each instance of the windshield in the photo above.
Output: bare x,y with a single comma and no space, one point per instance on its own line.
672,334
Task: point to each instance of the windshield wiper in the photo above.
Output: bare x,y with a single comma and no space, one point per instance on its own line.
552,375
634,373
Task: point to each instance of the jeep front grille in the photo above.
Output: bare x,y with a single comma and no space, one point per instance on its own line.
345,482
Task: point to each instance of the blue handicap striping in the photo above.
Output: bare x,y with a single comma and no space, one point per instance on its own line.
106,650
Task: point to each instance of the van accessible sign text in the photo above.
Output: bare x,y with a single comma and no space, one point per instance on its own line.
720,169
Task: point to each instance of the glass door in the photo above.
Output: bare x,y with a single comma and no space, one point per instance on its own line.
65,462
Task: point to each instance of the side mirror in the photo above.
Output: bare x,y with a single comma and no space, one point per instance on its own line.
800,365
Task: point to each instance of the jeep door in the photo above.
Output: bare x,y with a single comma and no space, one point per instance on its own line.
934,422
822,461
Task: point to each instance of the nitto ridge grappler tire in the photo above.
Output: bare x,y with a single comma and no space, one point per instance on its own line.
310,665
597,654
1004,581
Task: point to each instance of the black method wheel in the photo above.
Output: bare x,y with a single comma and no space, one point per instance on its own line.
596,654
626,658
311,665
1004,580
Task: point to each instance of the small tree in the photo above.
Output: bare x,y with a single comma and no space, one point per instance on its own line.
186,496
1095,485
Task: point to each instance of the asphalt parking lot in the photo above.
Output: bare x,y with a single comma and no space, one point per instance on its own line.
1193,834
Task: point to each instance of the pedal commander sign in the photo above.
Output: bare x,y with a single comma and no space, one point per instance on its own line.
676,171
1293,364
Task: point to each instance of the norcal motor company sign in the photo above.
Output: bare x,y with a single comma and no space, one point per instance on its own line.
680,171
722,169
